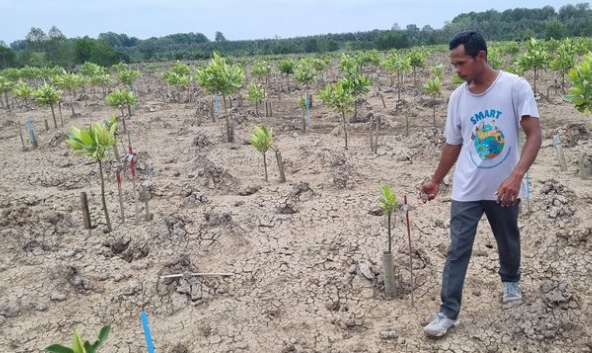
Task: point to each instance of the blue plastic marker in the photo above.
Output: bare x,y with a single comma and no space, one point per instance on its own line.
307,108
149,344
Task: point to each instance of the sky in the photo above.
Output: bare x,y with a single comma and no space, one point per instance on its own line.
236,19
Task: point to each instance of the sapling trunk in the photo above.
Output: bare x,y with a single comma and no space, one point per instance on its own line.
535,78
107,219
390,238
398,86
229,131
344,128
72,102
120,198
434,108
265,165
123,119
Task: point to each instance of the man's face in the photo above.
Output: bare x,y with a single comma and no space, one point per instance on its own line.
467,67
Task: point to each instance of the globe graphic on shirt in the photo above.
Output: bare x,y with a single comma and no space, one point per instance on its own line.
489,140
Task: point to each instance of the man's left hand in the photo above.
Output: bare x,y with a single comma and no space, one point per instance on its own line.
509,192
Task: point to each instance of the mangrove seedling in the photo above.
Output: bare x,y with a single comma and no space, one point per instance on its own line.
262,139
78,346
94,142
48,95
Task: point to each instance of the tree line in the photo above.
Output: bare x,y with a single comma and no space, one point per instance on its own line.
53,48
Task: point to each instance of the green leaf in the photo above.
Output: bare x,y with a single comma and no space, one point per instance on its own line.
57,348
77,345
103,336
89,348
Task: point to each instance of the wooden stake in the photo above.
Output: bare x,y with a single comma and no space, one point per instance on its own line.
46,125
280,162
118,175
378,120
21,136
560,155
85,211
409,237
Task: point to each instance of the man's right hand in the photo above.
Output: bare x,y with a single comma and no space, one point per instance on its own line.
431,189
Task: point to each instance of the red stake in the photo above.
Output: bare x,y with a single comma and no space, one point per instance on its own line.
409,237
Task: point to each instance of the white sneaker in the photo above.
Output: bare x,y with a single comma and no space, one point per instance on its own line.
439,326
512,292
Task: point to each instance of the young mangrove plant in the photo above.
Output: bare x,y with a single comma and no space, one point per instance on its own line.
94,142
262,139
78,346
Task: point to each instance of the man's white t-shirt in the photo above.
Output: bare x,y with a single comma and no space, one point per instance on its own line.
487,125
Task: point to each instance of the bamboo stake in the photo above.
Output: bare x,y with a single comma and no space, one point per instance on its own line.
21,136
85,211
409,238
560,154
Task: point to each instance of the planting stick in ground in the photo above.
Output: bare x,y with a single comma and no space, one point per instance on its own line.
197,274
280,162
147,333
377,126
32,137
46,125
132,159
406,209
145,198
85,211
60,110
560,154
118,169
21,136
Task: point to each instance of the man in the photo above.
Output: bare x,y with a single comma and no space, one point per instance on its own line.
482,133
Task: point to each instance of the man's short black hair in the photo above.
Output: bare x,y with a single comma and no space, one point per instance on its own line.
472,41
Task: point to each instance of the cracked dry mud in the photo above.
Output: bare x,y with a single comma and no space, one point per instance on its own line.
305,254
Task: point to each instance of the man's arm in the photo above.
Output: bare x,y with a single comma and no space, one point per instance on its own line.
508,192
449,156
